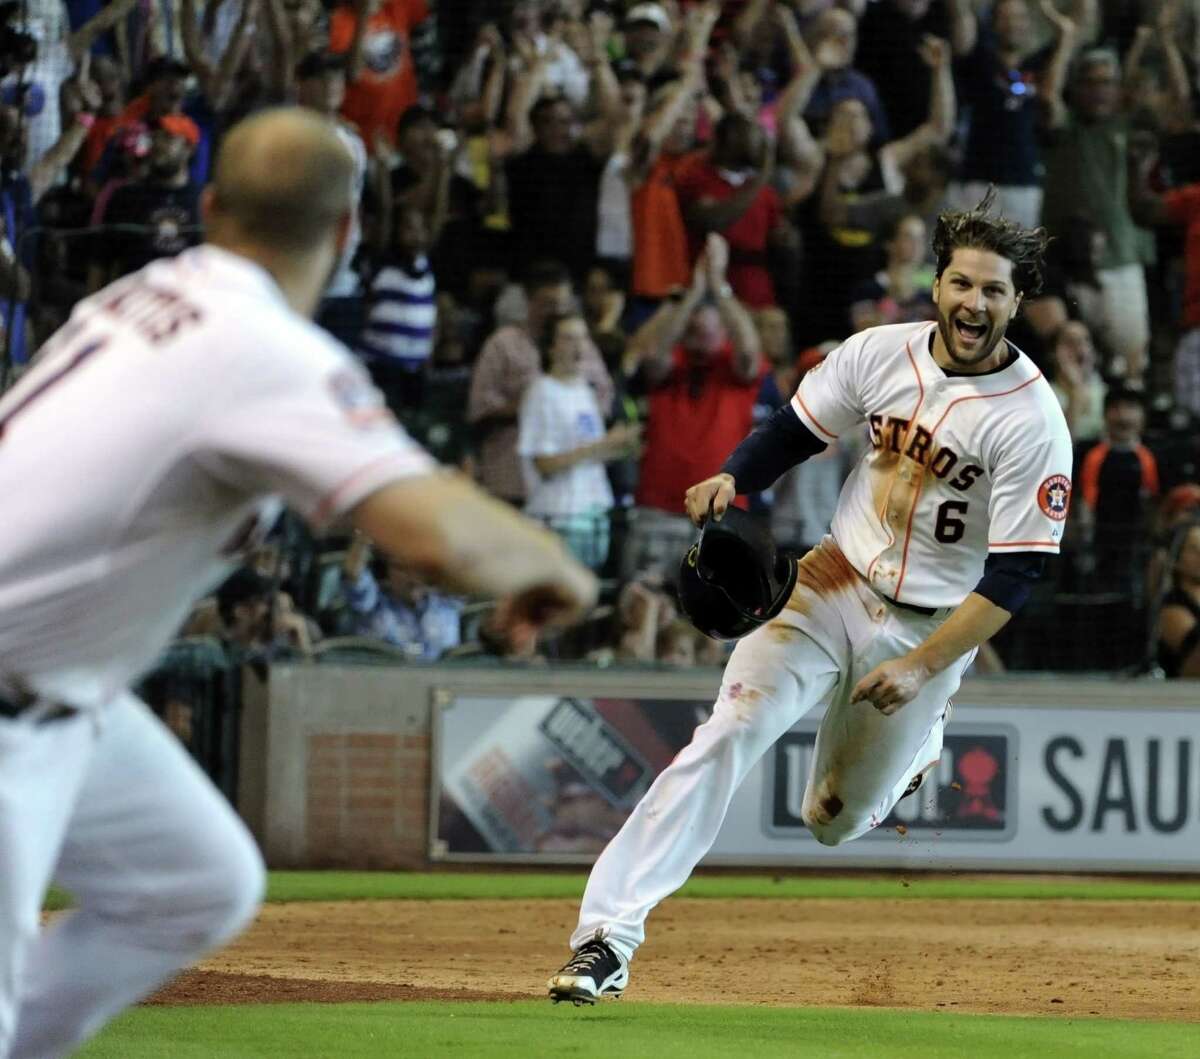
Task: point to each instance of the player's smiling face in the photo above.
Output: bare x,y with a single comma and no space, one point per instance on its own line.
975,299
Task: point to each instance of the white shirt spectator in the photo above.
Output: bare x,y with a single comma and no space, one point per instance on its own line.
614,233
558,417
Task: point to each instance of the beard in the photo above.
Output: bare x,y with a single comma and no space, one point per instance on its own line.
979,351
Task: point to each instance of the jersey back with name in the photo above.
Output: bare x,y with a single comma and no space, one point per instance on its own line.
146,450
958,466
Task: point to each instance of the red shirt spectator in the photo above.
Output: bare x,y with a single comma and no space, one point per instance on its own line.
383,80
698,415
1183,207
729,194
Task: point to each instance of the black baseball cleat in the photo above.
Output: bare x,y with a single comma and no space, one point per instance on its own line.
594,971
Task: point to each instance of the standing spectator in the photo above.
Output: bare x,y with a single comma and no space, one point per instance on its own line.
375,36
1179,617
730,193
563,445
834,40
390,604
648,39
1006,89
888,35
1179,206
840,255
425,180
36,86
661,153
529,25
320,86
902,292
1086,175
1118,482
163,206
506,365
106,75
166,82
701,359
399,334
553,189
1077,383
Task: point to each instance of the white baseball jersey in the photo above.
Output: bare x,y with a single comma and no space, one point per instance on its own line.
144,451
958,465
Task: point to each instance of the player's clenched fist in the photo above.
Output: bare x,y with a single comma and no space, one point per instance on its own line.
716,492
891,684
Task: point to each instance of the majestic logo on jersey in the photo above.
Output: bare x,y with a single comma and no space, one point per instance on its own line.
1054,496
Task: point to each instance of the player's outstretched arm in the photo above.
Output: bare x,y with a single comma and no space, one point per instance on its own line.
455,534
891,684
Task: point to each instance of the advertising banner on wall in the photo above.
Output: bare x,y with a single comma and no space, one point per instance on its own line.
552,778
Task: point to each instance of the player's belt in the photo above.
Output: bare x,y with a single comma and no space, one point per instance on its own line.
928,612
12,709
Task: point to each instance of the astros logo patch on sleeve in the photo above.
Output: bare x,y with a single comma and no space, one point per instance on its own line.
1054,496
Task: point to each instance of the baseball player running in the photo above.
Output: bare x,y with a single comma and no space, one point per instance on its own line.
138,458
938,535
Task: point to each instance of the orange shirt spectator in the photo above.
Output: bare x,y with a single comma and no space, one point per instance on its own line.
661,257
386,83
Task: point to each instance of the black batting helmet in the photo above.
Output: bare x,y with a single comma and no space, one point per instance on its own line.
733,579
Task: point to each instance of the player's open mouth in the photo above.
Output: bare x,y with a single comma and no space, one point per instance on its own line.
970,332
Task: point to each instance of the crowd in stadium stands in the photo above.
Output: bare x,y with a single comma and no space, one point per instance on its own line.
599,240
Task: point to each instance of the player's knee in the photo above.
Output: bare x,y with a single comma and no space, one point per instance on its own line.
824,816
242,880
827,834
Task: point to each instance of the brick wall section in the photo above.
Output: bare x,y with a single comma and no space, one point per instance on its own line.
367,799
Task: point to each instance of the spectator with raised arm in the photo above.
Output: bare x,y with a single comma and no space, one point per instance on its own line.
729,193
554,186
381,77
702,368
1007,87
1086,176
842,255
661,152
834,41
890,32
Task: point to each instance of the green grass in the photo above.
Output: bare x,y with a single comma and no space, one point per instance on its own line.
535,886
387,886
535,1028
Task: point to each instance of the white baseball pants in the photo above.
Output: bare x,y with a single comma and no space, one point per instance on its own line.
112,808
834,630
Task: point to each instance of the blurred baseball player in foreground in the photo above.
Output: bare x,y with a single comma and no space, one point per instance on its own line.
939,533
139,457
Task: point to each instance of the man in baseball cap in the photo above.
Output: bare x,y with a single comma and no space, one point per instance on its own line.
647,34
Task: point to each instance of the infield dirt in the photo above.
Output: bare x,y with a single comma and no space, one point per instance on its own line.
1121,959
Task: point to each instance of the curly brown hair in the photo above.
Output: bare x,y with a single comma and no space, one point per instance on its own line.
980,229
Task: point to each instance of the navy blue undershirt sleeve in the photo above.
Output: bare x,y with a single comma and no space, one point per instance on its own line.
1008,579
779,444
